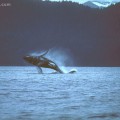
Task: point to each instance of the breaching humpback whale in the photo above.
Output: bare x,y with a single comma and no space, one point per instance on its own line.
42,61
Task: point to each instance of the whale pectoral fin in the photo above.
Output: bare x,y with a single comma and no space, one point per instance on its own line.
43,54
39,70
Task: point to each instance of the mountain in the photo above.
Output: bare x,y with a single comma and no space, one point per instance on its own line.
91,35
90,4
96,4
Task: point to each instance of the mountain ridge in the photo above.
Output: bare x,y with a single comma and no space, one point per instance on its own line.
96,4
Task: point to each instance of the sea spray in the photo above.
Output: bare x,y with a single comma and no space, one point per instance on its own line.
37,53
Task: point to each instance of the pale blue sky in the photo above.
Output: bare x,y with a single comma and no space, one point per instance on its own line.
82,1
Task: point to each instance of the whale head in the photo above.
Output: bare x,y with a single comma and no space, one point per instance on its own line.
28,58
31,59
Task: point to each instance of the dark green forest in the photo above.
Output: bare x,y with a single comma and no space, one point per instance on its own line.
92,35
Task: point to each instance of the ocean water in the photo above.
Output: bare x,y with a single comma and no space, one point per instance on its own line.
92,93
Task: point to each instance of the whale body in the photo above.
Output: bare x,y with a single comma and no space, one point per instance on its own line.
42,61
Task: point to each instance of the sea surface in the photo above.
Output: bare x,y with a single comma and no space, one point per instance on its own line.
92,93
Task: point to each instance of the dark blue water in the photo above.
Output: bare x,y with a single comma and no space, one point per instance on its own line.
93,93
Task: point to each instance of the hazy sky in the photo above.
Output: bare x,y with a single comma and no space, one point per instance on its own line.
82,1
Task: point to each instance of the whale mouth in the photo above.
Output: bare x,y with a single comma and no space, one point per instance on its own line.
26,58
